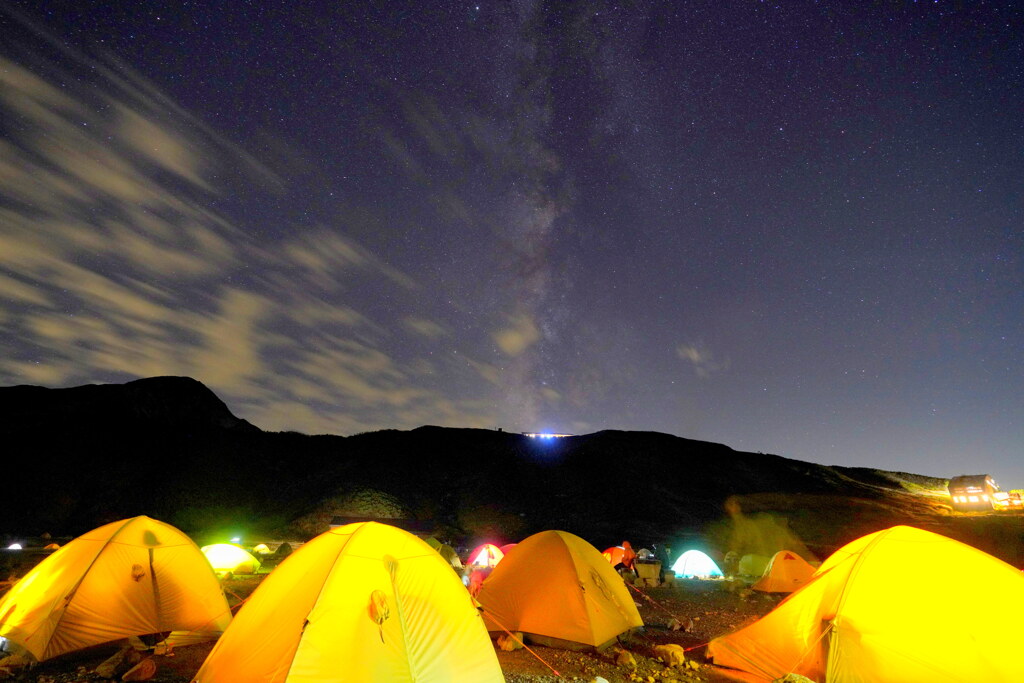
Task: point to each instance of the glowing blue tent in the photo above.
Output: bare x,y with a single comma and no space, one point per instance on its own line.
693,564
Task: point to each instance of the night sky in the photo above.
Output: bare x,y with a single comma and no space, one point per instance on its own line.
788,227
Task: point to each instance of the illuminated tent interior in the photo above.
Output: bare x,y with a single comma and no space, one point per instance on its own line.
225,557
128,578
785,573
898,605
485,555
558,590
695,564
361,602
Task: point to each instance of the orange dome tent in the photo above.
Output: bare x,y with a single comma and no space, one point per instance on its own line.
559,590
621,554
897,605
361,602
785,573
613,555
128,578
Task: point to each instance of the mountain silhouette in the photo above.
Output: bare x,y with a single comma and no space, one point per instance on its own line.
169,448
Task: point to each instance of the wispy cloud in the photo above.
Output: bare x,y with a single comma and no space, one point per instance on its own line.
703,361
519,335
114,266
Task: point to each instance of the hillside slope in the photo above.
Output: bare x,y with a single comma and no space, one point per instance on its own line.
169,448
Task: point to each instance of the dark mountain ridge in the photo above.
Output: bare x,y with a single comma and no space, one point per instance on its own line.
169,448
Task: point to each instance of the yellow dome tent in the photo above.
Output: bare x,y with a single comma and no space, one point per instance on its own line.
361,602
128,578
446,551
560,588
785,573
224,557
897,605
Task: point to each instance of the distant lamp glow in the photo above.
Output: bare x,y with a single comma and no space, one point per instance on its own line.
236,539
14,546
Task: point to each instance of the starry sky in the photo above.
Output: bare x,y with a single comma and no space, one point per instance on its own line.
788,227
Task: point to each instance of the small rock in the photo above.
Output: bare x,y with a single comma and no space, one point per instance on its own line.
114,664
670,654
624,658
509,642
143,671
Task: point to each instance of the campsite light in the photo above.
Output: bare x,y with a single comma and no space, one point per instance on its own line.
984,497
14,546
973,499
236,539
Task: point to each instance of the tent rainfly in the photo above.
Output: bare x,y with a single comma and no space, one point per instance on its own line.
901,604
785,573
446,551
225,557
695,564
485,555
753,565
361,602
134,577
560,591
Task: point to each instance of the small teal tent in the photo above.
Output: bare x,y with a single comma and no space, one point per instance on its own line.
694,564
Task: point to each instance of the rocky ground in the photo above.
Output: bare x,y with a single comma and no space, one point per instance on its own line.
688,614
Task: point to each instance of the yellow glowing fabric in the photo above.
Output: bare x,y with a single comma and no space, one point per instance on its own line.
557,585
786,572
362,602
131,577
225,557
898,605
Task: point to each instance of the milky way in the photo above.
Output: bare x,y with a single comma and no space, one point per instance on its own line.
787,227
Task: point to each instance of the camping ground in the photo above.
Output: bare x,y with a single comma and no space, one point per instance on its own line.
705,610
